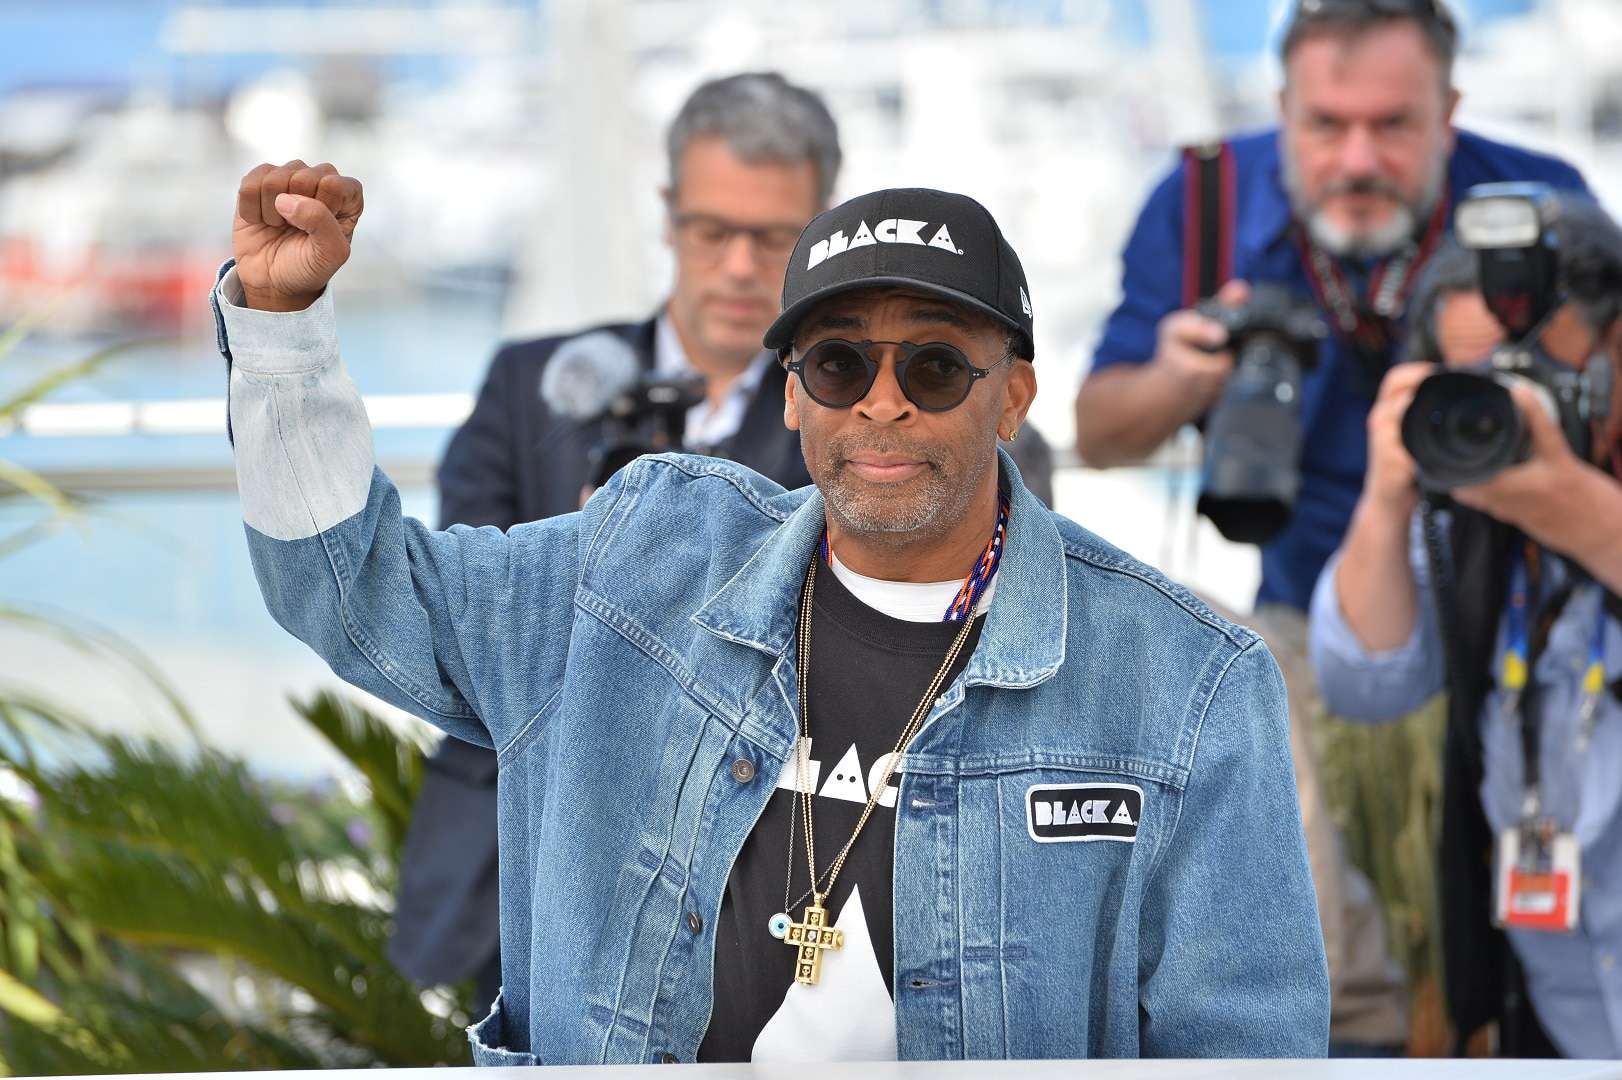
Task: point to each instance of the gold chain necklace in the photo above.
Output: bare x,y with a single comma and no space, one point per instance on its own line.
812,935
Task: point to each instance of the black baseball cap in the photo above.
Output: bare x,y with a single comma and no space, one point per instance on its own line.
932,241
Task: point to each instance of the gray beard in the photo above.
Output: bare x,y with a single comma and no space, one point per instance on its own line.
1374,243
863,511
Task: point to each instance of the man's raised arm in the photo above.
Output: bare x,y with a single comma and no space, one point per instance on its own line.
423,619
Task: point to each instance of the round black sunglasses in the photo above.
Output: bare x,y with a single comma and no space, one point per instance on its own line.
934,376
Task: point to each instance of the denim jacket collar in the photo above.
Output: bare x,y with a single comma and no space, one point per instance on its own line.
1022,643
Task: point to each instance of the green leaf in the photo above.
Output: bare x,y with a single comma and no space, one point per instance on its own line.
390,761
25,1004
54,380
99,643
148,901
28,535
36,487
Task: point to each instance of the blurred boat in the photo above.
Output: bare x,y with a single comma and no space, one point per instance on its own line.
106,236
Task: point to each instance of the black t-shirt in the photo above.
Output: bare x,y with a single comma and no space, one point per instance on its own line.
868,672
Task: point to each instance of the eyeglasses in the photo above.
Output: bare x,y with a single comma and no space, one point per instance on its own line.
934,376
707,237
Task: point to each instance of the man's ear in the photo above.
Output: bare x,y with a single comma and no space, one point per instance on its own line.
791,403
668,230
1018,393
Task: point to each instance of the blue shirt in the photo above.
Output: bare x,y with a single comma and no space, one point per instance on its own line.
1334,443
634,667
1574,979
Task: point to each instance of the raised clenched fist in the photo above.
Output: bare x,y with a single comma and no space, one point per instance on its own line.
291,232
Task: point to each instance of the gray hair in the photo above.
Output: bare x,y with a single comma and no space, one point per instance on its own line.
761,117
1350,20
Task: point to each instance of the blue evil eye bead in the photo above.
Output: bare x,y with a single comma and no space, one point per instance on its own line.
779,926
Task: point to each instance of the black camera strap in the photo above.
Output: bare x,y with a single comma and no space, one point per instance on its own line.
1369,324
1209,190
1613,608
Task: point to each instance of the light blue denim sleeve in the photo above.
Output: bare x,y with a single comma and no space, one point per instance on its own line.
1232,953
1375,685
437,623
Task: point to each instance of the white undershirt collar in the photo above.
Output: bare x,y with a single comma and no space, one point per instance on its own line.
909,601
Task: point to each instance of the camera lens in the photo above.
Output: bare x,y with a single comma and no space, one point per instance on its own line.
1253,441
1475,426
1463,428
1251,472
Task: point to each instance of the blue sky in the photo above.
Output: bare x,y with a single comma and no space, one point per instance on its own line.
114,43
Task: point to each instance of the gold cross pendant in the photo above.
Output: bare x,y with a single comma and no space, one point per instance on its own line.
812,937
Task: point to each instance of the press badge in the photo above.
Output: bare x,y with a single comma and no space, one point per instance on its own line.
1538,881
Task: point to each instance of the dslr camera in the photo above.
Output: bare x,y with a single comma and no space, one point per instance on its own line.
1463,427
1251,471
647,418
596,380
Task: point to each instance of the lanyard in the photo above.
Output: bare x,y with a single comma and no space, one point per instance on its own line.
1370,327
1521,651
967,600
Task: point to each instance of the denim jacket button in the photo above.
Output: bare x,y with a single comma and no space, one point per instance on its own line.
743,770
667,1058
695,922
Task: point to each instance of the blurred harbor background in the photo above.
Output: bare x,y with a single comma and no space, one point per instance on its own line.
511,155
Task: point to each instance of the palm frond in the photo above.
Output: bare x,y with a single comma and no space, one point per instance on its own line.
126,864
99,643
19,331
57,378
36,487
208,812
22,1001
25,537
391,762
149,901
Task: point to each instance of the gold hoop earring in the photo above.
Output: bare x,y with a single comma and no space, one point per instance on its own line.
1012,435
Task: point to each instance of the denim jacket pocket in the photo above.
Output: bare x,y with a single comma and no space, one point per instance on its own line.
1074,841
489,1040
1052,855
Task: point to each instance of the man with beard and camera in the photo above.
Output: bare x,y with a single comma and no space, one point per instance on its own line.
1309,237
1484,556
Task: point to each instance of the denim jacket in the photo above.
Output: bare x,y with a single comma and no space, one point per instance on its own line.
633,666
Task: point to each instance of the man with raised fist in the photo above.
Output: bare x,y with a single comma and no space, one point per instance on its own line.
898,765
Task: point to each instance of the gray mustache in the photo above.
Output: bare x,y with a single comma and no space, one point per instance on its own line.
1363,186
840,452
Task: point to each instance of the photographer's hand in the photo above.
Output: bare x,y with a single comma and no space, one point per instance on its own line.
291,232
1556,498
1390,480
1124,412
1374,581
1191,354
